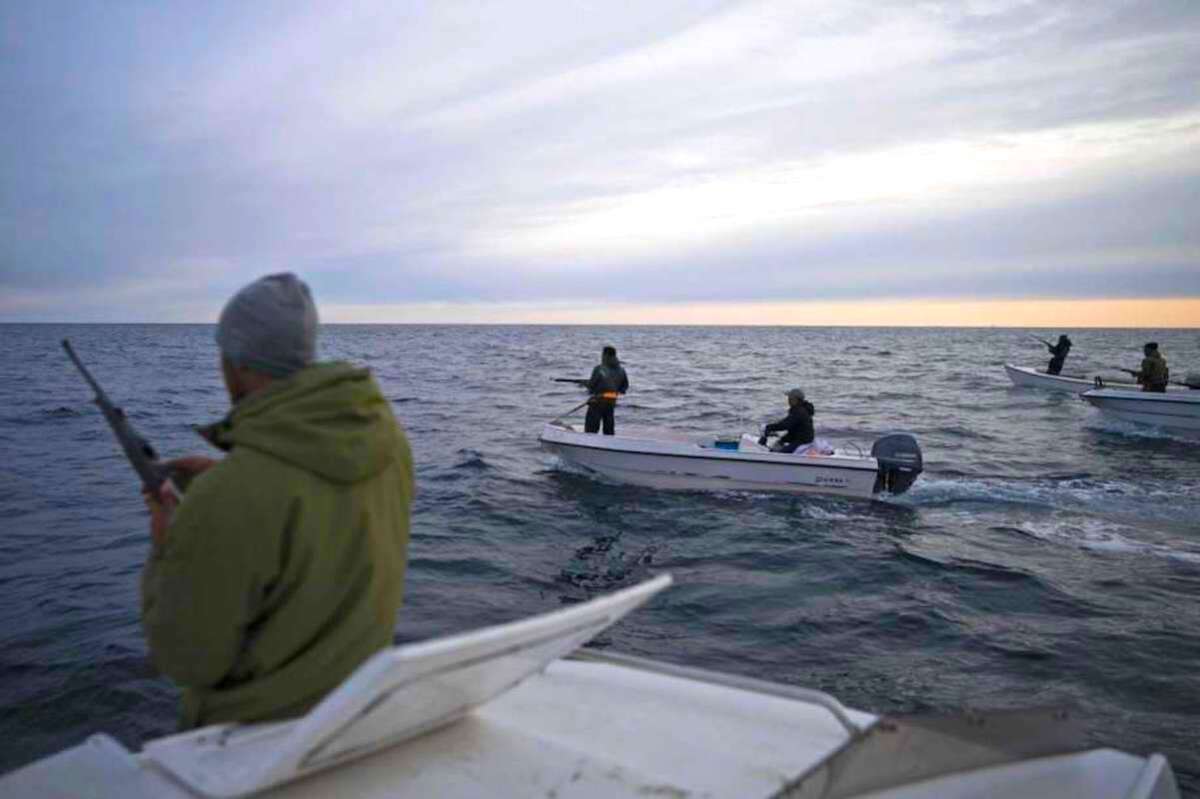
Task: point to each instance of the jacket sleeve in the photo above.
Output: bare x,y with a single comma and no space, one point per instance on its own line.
202,588
782,424
593,384
624,387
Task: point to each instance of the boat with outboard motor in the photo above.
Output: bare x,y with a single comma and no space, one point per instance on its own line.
1026,377
508,711
682,461
1170,410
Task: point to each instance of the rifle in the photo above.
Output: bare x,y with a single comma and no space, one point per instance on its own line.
141,455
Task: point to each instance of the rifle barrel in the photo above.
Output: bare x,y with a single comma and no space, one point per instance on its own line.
138,451
91,381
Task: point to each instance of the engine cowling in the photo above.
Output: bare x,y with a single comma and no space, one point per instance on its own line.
900,462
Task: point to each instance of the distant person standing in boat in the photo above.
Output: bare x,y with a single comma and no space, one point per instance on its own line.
1058,353
797,426
607,382
282,568
1154,374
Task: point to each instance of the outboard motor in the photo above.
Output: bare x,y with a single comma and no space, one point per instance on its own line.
899,462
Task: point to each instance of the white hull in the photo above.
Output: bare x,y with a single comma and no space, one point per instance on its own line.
1031,378
692,463
1174,410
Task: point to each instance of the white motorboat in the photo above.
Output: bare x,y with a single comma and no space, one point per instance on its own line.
1026,377
1171,410
668,460
499,712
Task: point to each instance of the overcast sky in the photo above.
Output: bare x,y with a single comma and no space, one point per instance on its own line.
437,160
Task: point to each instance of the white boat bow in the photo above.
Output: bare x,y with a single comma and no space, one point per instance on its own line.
1025,377
668,460
496,713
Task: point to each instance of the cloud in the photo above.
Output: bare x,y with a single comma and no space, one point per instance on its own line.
666,152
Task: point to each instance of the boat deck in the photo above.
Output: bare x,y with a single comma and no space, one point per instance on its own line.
600,727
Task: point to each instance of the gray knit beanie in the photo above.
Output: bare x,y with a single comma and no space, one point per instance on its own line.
270,326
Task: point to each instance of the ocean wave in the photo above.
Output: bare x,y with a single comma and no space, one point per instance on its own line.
994,571
44,416
960,431
604,565
471,459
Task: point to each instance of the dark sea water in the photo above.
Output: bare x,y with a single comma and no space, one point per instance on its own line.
1047,556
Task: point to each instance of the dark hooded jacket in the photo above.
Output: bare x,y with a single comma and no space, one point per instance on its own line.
608,378
283,567
797,426
1059,355
1060,349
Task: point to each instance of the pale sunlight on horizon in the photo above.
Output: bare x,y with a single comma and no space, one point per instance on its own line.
1047,313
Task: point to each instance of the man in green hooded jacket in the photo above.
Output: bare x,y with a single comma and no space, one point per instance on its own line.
1154,374
282,568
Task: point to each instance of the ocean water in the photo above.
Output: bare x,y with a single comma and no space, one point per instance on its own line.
1047,556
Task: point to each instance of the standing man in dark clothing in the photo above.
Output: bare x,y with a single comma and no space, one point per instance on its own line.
797,426
608,380
1059,354
1154,374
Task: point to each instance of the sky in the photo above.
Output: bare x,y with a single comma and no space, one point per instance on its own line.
704,162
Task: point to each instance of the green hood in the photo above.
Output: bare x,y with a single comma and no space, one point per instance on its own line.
330,419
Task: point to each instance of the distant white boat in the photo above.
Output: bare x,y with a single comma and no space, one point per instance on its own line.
667,460
498,713
1031,378
1171,410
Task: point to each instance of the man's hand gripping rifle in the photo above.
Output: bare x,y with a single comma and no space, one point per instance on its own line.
155,475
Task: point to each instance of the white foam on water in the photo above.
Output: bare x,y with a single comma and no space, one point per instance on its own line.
1105,423
824,514
1100,535
1175,503
933,490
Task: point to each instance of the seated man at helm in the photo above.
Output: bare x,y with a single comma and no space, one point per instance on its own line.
282,568
797,426
1154,374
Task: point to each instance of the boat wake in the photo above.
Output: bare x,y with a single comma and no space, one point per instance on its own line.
1101,423
1106,516
1100,535
1070,492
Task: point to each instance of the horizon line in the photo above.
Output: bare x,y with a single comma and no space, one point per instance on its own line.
644,324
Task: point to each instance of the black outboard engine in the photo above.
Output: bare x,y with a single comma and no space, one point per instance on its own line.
899,462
